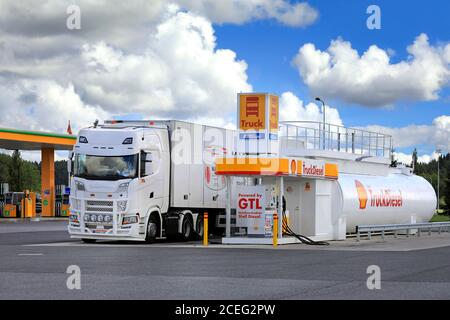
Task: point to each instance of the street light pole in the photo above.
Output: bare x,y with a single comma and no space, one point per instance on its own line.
438,151
323,106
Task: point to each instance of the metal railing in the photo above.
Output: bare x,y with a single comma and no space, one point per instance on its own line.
312,135
383,228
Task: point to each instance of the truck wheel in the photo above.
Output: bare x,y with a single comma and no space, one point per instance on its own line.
187,229
200,227
88,240
152,228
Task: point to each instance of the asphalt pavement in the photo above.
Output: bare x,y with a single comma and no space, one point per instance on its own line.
34,259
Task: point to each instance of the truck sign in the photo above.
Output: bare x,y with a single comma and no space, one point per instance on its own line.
252,112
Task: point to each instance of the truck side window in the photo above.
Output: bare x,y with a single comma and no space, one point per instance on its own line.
146,163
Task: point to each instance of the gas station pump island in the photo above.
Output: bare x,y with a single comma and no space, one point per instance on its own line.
47,143
322,180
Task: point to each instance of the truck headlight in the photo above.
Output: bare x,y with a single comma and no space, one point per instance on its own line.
107,218
86,217
121,205
93,217
123,187
130,220
79,185
100,218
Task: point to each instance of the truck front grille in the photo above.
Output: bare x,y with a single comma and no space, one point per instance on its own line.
104,203
99,206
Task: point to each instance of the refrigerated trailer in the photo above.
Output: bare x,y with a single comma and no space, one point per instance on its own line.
143,180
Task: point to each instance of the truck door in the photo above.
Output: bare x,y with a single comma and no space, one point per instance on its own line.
152,171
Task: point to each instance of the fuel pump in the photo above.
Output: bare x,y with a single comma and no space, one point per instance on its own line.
65,207
61,201
14,205
10,209
4,188
27,205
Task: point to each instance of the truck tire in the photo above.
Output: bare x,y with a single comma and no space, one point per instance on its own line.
151,230
187,229
88,240
199,227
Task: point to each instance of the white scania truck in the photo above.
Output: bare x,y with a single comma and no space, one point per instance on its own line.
143,180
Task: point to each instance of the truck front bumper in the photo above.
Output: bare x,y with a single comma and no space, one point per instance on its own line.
134,232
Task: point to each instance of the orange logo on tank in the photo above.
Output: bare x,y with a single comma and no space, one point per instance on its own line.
293,167
362,194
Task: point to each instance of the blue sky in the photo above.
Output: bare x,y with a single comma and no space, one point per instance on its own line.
269,47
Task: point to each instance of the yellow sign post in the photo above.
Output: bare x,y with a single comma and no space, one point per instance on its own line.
205,229
275,230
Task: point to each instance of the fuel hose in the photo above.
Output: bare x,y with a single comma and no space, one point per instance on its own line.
303,239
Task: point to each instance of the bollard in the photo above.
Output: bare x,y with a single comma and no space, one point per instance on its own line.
205,229
275,230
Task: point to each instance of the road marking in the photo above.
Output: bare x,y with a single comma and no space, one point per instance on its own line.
30,254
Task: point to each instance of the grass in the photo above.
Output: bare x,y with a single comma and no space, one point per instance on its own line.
440,218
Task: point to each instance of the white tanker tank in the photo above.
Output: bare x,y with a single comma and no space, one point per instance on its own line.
391,199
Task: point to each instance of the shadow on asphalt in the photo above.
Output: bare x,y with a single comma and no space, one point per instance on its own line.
158,241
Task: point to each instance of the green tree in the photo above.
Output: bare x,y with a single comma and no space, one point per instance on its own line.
15,168
414,160
4,167
446,195
18,173
429,172
31,178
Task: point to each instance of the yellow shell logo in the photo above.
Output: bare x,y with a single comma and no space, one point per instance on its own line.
293,166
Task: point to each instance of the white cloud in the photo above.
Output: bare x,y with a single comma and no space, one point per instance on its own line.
294,109
155,59
125,24
371,79
407,158
437,134
242,11
178,73
44,105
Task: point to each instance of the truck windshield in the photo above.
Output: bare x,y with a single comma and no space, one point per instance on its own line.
105,167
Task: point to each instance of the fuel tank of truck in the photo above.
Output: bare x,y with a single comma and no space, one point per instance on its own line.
395,198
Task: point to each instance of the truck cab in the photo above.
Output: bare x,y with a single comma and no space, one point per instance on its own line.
119,183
